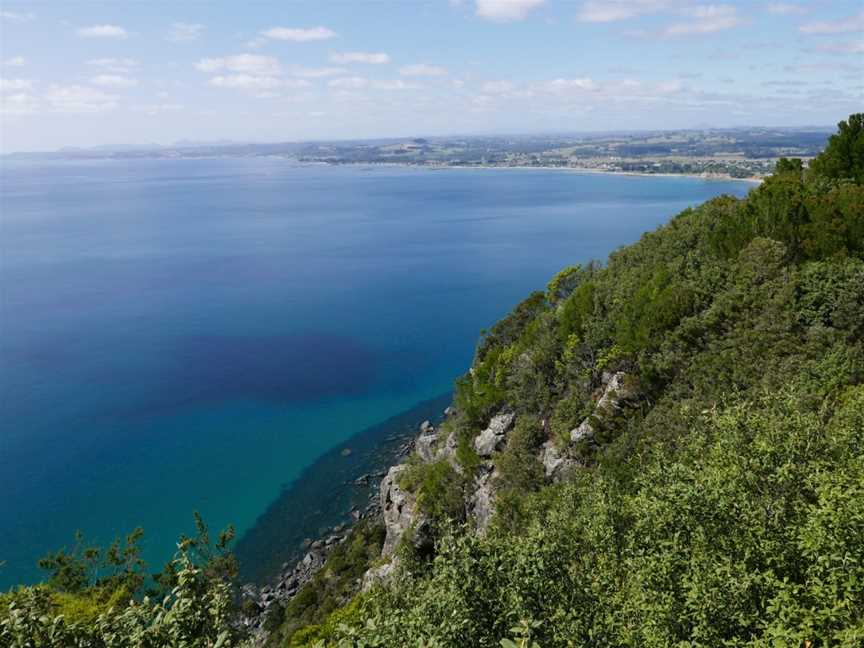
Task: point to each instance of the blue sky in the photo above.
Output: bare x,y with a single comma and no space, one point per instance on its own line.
122,72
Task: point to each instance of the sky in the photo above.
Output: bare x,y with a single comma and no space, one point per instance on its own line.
122,72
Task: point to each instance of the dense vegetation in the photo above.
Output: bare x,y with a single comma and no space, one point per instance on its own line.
723,507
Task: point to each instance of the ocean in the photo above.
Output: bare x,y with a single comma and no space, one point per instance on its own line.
213,335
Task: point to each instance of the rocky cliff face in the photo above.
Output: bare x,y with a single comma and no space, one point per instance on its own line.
402,514
618,392
400,509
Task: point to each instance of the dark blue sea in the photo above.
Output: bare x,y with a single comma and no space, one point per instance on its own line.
193,334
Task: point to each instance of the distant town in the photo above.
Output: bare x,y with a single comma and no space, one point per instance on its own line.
735,153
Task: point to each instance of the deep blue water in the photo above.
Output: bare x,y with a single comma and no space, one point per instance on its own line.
182,335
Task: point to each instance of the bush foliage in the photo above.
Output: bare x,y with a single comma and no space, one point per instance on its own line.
724,508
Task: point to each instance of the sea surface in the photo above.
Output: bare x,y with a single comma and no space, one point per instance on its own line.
182,335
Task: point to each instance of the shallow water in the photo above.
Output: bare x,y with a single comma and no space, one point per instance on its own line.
192,334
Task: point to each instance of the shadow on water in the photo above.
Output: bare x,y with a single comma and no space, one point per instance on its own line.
324,494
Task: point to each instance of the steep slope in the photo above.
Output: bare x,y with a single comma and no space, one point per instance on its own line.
665,451
668,450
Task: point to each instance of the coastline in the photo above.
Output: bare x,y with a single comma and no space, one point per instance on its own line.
724,177
335,491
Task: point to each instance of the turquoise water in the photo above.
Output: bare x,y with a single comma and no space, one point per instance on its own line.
192,334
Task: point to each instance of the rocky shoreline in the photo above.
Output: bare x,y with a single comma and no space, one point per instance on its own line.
293,575
398,508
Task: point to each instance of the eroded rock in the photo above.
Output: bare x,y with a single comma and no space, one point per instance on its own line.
557,464
425,446
401,514
481,503
494,436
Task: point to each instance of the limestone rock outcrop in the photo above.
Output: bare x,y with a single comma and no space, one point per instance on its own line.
400,513
495,435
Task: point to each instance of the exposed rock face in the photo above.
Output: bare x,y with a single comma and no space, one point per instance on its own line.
400,513
425,445
616,395
494,436
481,503
585,432
378,574
557,464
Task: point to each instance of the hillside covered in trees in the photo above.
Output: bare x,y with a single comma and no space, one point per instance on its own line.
665,450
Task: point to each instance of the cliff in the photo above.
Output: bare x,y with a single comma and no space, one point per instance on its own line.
664,450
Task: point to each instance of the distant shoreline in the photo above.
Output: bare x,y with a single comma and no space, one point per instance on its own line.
581,170
593,171
429,167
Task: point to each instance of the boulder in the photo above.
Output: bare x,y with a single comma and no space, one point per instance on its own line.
426,428
494,436
378,574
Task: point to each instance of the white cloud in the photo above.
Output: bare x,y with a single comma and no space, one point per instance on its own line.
599,11
153,110
180,32
395,84
349,83
506,10
848,25
498,87
252,82
16,17
113,81
785,9
15,61
502,89
360,83
669,87
566,85
849,47
706,19
79,99
117,65
253,64
7,85
103,31
315,73
422,69
299,35
20,103
372,58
